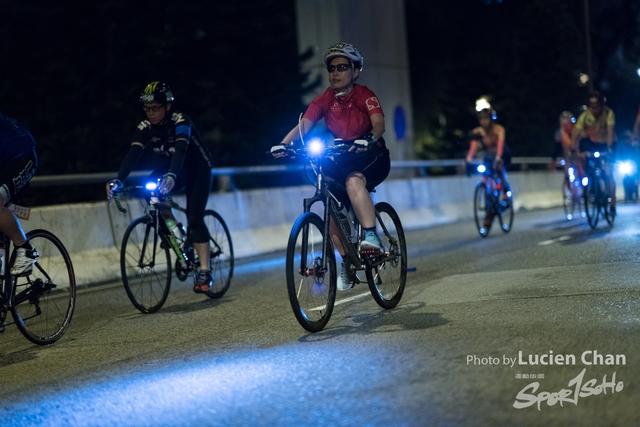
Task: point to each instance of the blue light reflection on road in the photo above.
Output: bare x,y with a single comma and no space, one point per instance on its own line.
301,384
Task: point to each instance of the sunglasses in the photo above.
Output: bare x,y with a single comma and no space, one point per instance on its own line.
153,109
340,67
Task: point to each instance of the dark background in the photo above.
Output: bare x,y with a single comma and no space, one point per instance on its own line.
72,70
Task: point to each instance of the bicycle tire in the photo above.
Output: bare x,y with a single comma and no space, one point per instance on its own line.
387,273
505,213
567,199
44,301
311,293
221,260
480,208
591,202
605,207
145,266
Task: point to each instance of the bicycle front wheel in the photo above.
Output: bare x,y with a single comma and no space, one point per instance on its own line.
605,205
480,208
43,301
311,279
568,199
387,272
591,202
145,266
505,212
221,260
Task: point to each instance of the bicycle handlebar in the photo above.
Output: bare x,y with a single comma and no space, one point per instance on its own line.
316,151
149,193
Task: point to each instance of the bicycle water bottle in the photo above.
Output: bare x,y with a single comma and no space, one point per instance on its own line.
177,230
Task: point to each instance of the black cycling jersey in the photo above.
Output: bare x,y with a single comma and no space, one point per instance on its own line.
162,138
177,141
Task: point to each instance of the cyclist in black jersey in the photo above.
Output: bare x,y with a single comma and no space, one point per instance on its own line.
18,163
185,161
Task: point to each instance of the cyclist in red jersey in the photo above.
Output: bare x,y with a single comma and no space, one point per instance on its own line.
352,113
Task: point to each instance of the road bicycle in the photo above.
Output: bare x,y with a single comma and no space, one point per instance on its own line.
311,260
490,200
597,200
42,302
147,244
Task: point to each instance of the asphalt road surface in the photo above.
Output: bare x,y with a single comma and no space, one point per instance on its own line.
538,327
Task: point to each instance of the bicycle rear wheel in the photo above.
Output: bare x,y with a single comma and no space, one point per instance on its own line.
387,272
480,208
43,301
591,202
145,266
311,280
221,260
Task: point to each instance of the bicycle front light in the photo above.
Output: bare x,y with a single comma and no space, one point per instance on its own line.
585,181
626,167
482,168
151,186
316,146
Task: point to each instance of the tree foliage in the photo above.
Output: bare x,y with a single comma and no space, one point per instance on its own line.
525,55
73,71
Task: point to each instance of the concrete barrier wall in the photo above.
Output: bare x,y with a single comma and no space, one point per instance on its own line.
260,220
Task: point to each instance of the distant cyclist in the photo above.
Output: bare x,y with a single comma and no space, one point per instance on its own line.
594,131
352,113
564,144
497,156
185,161
18,163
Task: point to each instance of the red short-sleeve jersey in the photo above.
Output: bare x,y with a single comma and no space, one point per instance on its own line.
346,117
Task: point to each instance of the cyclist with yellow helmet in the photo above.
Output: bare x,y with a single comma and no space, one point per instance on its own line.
185,161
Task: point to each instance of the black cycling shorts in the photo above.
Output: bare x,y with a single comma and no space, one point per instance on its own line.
15,176
374,166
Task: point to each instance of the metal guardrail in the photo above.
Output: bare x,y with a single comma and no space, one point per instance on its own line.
103,177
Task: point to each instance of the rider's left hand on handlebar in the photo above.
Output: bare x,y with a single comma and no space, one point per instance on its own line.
363,145
112,186
167,183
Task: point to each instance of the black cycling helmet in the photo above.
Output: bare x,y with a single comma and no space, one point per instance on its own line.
157,92
344,50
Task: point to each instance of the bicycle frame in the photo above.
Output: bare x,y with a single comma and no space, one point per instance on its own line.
152,212
331,206
7,299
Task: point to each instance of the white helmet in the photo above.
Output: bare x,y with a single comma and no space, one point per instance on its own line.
345,50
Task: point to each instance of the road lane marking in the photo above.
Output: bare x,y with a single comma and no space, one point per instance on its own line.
552,241
342,301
